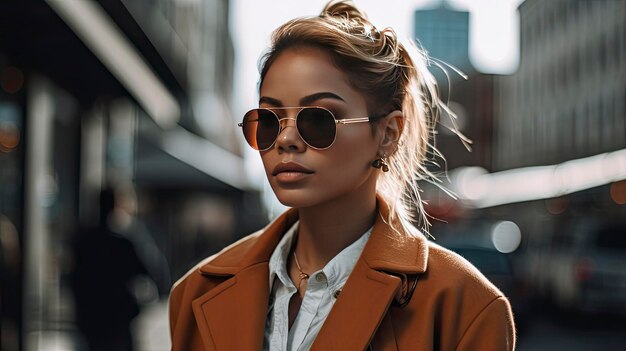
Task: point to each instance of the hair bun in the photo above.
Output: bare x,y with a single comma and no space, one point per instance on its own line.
344,9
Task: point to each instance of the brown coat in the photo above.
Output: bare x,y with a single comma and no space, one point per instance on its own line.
222,303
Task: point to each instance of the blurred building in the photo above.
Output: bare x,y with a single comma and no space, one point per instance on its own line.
116,92
568,98
563,113
566,102
444,33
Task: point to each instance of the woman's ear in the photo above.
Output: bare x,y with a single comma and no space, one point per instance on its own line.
391,127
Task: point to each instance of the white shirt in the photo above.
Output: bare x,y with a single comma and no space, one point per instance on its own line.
319,298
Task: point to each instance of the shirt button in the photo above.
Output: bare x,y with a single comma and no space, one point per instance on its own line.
319,277
337,293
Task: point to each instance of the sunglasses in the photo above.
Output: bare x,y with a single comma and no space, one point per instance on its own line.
316,126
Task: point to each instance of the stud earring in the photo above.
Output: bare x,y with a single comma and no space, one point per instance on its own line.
381,163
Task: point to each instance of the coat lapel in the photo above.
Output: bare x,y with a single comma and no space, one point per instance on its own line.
232,315
372,286
358,311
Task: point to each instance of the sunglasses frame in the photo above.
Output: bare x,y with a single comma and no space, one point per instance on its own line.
295,119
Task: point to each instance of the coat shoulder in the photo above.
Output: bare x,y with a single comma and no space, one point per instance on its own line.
453,272
468,311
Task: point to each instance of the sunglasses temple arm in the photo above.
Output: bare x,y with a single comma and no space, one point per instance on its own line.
353,120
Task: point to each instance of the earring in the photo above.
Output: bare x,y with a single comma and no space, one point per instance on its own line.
381,163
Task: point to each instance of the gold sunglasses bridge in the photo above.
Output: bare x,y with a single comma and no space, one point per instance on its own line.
280,122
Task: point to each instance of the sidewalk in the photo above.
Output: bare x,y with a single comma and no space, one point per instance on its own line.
151,328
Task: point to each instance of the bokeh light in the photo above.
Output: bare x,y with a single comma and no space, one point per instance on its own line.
11,79
9,136
506,236
618,192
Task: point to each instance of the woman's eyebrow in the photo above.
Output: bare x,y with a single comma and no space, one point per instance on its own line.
270,101
309,99
305,101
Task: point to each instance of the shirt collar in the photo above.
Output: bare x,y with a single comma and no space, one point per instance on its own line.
340,267
278,260
336,270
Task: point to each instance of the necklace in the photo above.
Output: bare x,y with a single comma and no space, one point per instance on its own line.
303,275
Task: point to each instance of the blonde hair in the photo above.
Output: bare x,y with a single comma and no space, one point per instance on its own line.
392,76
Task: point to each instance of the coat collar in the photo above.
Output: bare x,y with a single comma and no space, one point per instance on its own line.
232,315
390,248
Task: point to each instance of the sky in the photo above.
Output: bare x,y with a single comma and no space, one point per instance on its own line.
494,38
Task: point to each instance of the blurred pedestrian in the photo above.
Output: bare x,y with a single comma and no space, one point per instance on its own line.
343,129
10,271
105,264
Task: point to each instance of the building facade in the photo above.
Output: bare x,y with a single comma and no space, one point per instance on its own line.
568,98
131,94
444,33
564,106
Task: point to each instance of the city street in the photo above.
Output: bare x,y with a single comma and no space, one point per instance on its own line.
151,328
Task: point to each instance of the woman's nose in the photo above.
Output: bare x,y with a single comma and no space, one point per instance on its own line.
288,138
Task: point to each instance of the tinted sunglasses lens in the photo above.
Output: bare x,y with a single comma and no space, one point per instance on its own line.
260,128
317,127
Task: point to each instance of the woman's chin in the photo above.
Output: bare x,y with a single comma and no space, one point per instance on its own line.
298,199
292,201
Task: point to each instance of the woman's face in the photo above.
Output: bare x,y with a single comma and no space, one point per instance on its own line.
300,175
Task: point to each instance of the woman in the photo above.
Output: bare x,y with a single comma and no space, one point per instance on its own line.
344,119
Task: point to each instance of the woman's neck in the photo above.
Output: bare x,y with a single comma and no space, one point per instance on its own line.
326,229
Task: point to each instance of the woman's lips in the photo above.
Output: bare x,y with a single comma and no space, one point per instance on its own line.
290,177
289,172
